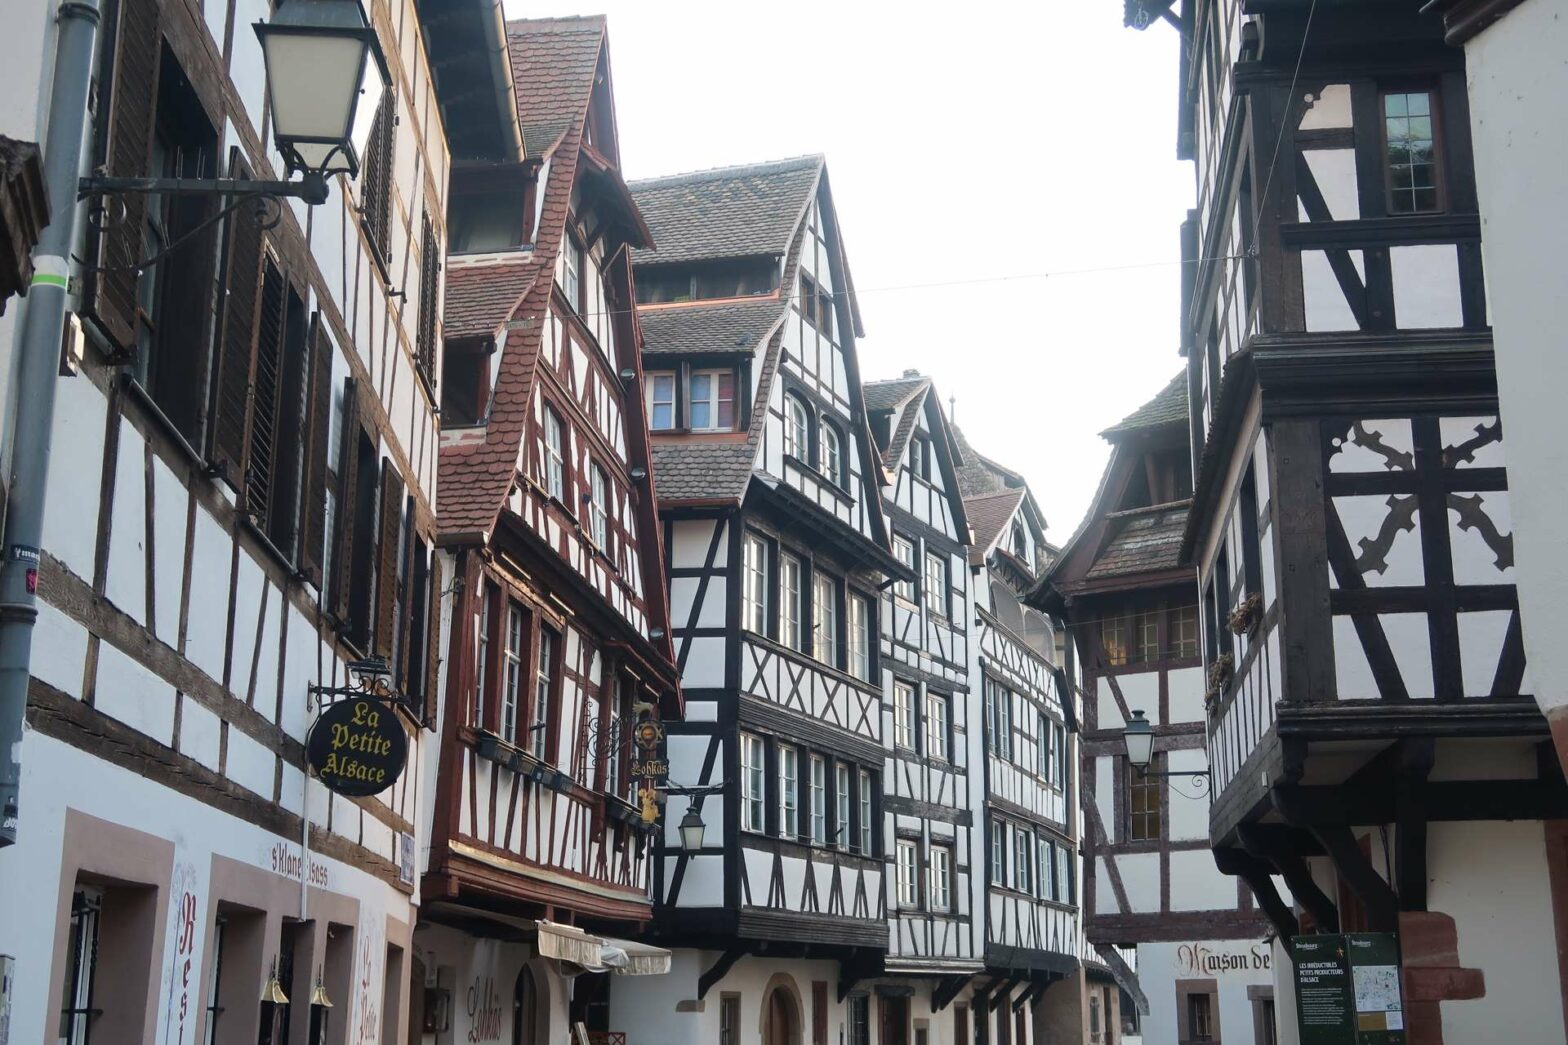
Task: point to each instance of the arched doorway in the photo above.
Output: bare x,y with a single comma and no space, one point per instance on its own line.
780,1019
524,1008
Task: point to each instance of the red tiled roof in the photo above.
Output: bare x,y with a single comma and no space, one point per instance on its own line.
553,66
988,513
479,298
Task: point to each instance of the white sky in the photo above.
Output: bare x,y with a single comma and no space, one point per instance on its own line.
964,143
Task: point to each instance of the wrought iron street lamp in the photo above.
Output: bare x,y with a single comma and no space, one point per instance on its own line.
1138,738
325,77
692,829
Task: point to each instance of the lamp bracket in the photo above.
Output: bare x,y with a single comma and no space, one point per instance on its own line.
311,188
1201,779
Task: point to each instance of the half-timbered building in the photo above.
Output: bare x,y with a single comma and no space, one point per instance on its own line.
559,640
1043,980
1371,732
927,804
240,503
1131,611
769,489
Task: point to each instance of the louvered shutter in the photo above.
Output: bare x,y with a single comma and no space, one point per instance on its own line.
376,194
318,425
232,363
429,305
348,479
433,592
391,517
409,592
261,463
123,149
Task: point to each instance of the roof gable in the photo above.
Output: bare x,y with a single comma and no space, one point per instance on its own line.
1167,408
555,62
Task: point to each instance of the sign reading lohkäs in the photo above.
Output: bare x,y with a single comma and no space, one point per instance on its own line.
357,747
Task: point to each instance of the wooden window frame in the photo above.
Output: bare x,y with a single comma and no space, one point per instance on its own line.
1434,94
817,799
789,793
843,803
940,899
826,618
797,430
546,682
650,397
911,848
756,609
938,725
600,497
760,799
715,402
902,589
942,608
1152,787
865,812
793,613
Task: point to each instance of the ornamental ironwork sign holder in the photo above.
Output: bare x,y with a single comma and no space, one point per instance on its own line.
372,681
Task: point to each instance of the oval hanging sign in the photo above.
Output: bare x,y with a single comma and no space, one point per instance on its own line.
357,747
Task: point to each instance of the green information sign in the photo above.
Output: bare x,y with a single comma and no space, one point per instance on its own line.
1347,989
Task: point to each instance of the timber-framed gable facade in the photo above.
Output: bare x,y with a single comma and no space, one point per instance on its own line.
1350,526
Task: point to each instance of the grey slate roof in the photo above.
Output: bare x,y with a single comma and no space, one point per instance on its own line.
733,212
709,328
1142,540
553,64
684,470
1169,407
887,395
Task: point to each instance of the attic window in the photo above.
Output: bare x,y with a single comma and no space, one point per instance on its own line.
670,284
465,383
489,210
920,457
816,305
1020,541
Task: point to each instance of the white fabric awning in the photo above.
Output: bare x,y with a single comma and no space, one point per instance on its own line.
601,953
628,958
568,943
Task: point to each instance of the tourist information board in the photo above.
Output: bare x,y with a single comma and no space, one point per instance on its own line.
1347,989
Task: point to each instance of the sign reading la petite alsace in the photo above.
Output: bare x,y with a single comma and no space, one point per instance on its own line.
357,747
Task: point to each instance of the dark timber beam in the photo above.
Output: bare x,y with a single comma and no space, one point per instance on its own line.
717,970
1002,993
1356,869
945,991
1284,849
1416,758
1446,801
1256,874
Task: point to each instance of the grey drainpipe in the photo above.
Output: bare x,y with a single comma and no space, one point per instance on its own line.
500,58
38,350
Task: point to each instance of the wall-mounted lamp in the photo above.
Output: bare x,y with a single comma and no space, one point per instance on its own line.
320,1012
639,473
1138,738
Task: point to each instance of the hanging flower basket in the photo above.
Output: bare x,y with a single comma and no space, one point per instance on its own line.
1220,673
1244,619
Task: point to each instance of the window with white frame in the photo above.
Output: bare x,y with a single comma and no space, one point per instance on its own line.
1184,631
752,767
789,792
599,509
819,800
998,719
939,888
904,715
1043,854
797,428
904,552
790,600
512,688
918,452
936,583
572,271
1064,874
1043,749
554,455
998,852
860,637
754,585
908,874
539,714
841,805
866,821
481,652
1059,743
1023,854
659,390
936,724
712,401
830,455
824,599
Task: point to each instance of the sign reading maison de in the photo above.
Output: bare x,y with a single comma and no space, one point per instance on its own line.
357,747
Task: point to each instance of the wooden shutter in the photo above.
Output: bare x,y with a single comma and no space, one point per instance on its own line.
348,478
318,426
376,197
429,292
123,149
391,517
233,360
261,463
433,592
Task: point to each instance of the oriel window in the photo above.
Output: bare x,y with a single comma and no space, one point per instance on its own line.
1410,139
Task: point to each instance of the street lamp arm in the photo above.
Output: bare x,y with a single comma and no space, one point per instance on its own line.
312,187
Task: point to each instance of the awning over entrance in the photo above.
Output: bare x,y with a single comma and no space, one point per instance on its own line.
601,954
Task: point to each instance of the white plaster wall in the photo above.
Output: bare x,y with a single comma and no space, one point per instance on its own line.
1517,82
1502,909
1160,965
57,777
482,977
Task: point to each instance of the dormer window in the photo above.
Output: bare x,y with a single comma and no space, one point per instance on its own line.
1020,541
712,400
797,429
661,401
920,457
830,459
490,209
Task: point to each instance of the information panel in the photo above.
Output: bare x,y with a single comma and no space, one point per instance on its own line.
1347,989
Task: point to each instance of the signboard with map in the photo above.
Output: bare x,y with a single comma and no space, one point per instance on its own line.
1347,989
